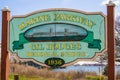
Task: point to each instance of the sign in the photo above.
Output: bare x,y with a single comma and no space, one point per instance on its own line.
58,37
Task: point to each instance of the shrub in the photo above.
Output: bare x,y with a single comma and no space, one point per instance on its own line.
105,72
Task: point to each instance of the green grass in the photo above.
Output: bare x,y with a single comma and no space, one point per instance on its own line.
22,77
96,78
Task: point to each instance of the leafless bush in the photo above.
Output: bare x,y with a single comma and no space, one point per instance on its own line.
47,73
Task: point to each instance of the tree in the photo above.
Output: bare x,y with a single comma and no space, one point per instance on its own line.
117,36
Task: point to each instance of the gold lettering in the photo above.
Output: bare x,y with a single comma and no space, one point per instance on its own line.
36,19
74,18
67,17
50,46
28,54
47,54
28,23
83,54
32,21
78,46
58,17
80,19
66,54
78,54
73,54
71,47
91,24
57,46
62,54
42,18
36,47
21,26
60,62
47,17
49,62
63,46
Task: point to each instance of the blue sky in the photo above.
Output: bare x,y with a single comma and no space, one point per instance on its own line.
21,7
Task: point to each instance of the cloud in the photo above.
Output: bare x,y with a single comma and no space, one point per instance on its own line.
116,2
117,13
104,2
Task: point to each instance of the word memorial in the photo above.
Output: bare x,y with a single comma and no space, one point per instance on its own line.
58,37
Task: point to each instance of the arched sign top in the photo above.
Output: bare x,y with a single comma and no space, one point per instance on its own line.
58,37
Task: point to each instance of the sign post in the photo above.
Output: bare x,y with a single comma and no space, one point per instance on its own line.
4,52
110,37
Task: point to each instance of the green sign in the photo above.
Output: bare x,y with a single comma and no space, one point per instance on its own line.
58,37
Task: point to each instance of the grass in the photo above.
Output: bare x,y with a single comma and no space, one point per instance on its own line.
23,77
96,78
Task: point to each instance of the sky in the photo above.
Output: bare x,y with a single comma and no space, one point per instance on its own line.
22,7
